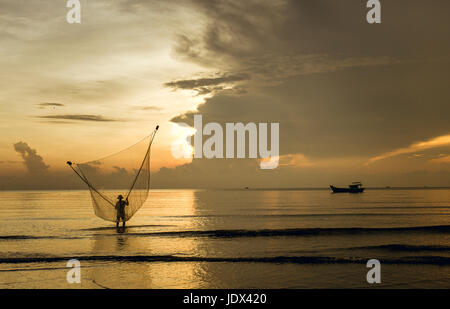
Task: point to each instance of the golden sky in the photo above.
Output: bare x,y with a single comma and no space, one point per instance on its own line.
110,68
354,101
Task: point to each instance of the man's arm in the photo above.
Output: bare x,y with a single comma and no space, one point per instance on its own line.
126,202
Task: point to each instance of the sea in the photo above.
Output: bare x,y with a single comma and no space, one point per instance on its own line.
228,239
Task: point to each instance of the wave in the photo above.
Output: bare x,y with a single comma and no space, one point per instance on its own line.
28,237
296,232
31,269
311,215
402,247
431,260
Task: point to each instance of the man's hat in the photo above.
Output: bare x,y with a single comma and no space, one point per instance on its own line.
120,196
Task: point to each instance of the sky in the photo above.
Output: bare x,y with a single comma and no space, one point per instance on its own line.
355,101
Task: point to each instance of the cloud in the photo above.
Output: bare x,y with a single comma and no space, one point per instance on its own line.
341,90
419,146
201,82
295,160
41,176
33,162
442,159
346,113
147,108
278,39
208,85
313,27
48,104
106,176
96,118
338,86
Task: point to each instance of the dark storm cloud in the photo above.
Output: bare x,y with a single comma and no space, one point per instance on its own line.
409,27
33,162
338,85
278,39
340,88
96,118
360,112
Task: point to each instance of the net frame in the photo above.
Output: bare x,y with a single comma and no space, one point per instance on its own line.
103,200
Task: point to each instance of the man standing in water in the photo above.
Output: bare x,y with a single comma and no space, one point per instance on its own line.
120,207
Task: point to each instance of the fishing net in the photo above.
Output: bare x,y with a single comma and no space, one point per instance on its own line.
125,173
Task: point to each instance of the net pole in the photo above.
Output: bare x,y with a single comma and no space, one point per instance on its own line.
143,161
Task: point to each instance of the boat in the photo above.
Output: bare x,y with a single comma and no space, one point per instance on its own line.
355,187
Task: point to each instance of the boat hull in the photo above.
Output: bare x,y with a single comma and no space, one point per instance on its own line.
346,190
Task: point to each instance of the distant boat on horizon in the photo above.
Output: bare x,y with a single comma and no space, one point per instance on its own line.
355,187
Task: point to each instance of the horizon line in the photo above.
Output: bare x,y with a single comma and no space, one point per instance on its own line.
247,188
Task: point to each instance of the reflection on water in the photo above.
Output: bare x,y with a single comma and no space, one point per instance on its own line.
131,241
229,238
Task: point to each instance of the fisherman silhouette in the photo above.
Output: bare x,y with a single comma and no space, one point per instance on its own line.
120,207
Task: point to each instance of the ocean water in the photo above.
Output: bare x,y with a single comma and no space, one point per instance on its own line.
229,239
